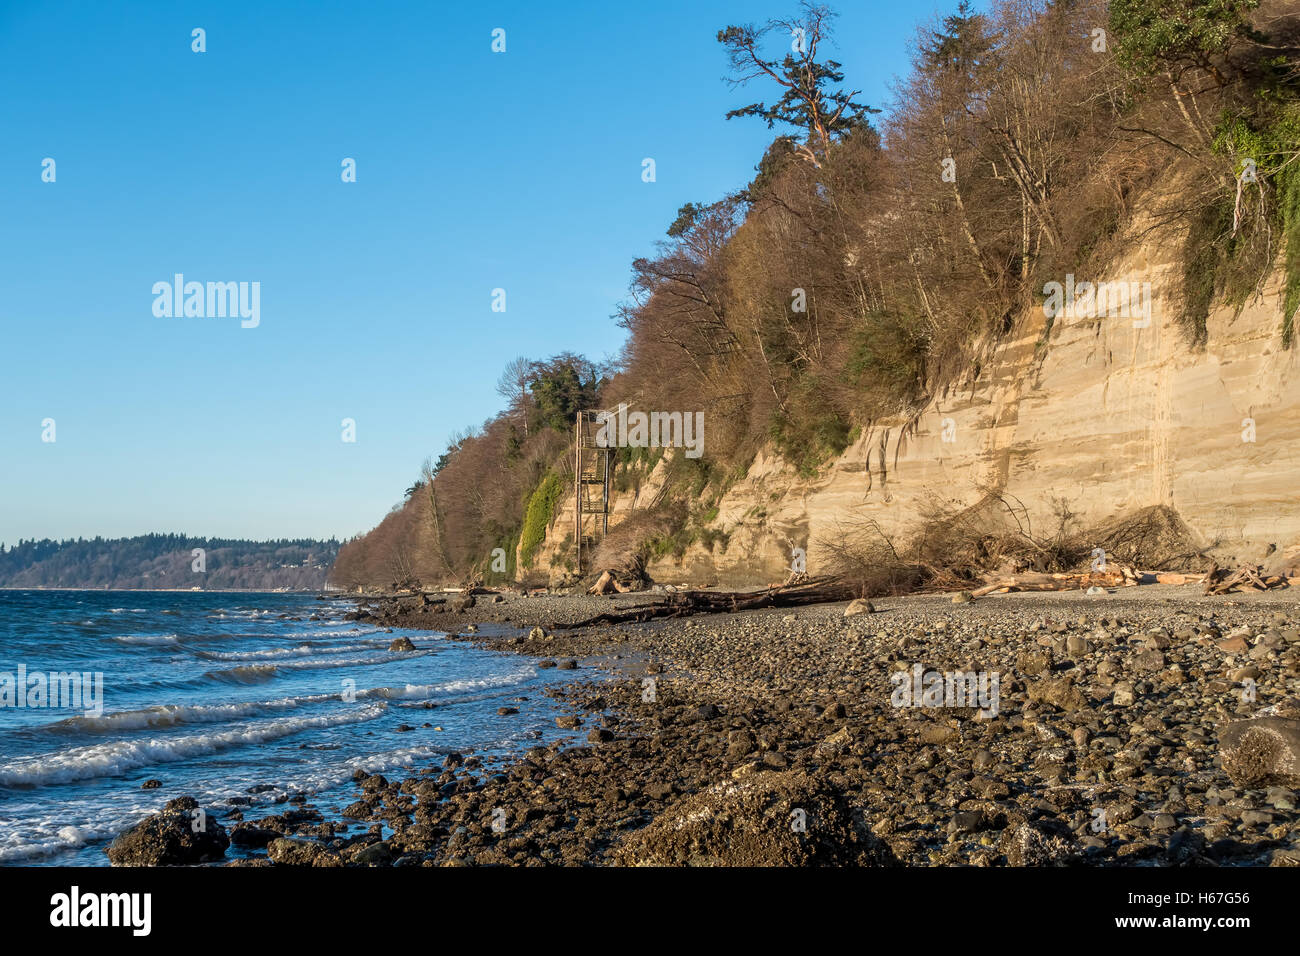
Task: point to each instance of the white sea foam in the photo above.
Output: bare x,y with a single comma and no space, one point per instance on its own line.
109,759
43,834
154,639
172,715
277,653
384,658
256,673
501,680
424,691
47,841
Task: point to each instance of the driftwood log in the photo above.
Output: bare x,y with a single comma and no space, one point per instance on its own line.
1216,581
1245,578
608,582
684,603
1117,576
825,590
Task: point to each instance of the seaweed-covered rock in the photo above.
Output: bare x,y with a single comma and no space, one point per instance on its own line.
287,852
1041,843
1262,751
763,819
181,834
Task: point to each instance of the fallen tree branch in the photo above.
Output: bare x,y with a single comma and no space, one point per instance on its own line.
822,590
1120,575
1245,578
829,589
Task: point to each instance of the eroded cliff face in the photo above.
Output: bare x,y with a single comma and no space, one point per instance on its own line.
556,556
1108,417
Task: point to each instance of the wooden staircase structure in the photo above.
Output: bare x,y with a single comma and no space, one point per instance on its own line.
592,467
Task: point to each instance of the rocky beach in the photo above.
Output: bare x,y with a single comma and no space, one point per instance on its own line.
1148,726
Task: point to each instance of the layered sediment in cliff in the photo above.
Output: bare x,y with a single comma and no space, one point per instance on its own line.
1105,415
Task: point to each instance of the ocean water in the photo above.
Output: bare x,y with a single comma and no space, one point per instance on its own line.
216,694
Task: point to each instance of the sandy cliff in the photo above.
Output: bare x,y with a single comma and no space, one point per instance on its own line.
1110,417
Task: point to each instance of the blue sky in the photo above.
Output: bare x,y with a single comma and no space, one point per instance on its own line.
475,171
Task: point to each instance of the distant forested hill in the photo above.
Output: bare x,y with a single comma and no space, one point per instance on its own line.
167,561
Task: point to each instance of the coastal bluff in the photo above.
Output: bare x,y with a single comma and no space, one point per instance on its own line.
1099,414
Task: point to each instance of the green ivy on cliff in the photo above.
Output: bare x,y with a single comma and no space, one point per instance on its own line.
537,518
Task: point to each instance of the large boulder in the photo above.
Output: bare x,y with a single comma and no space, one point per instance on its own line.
859,606
1263,751
181,834
763,819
